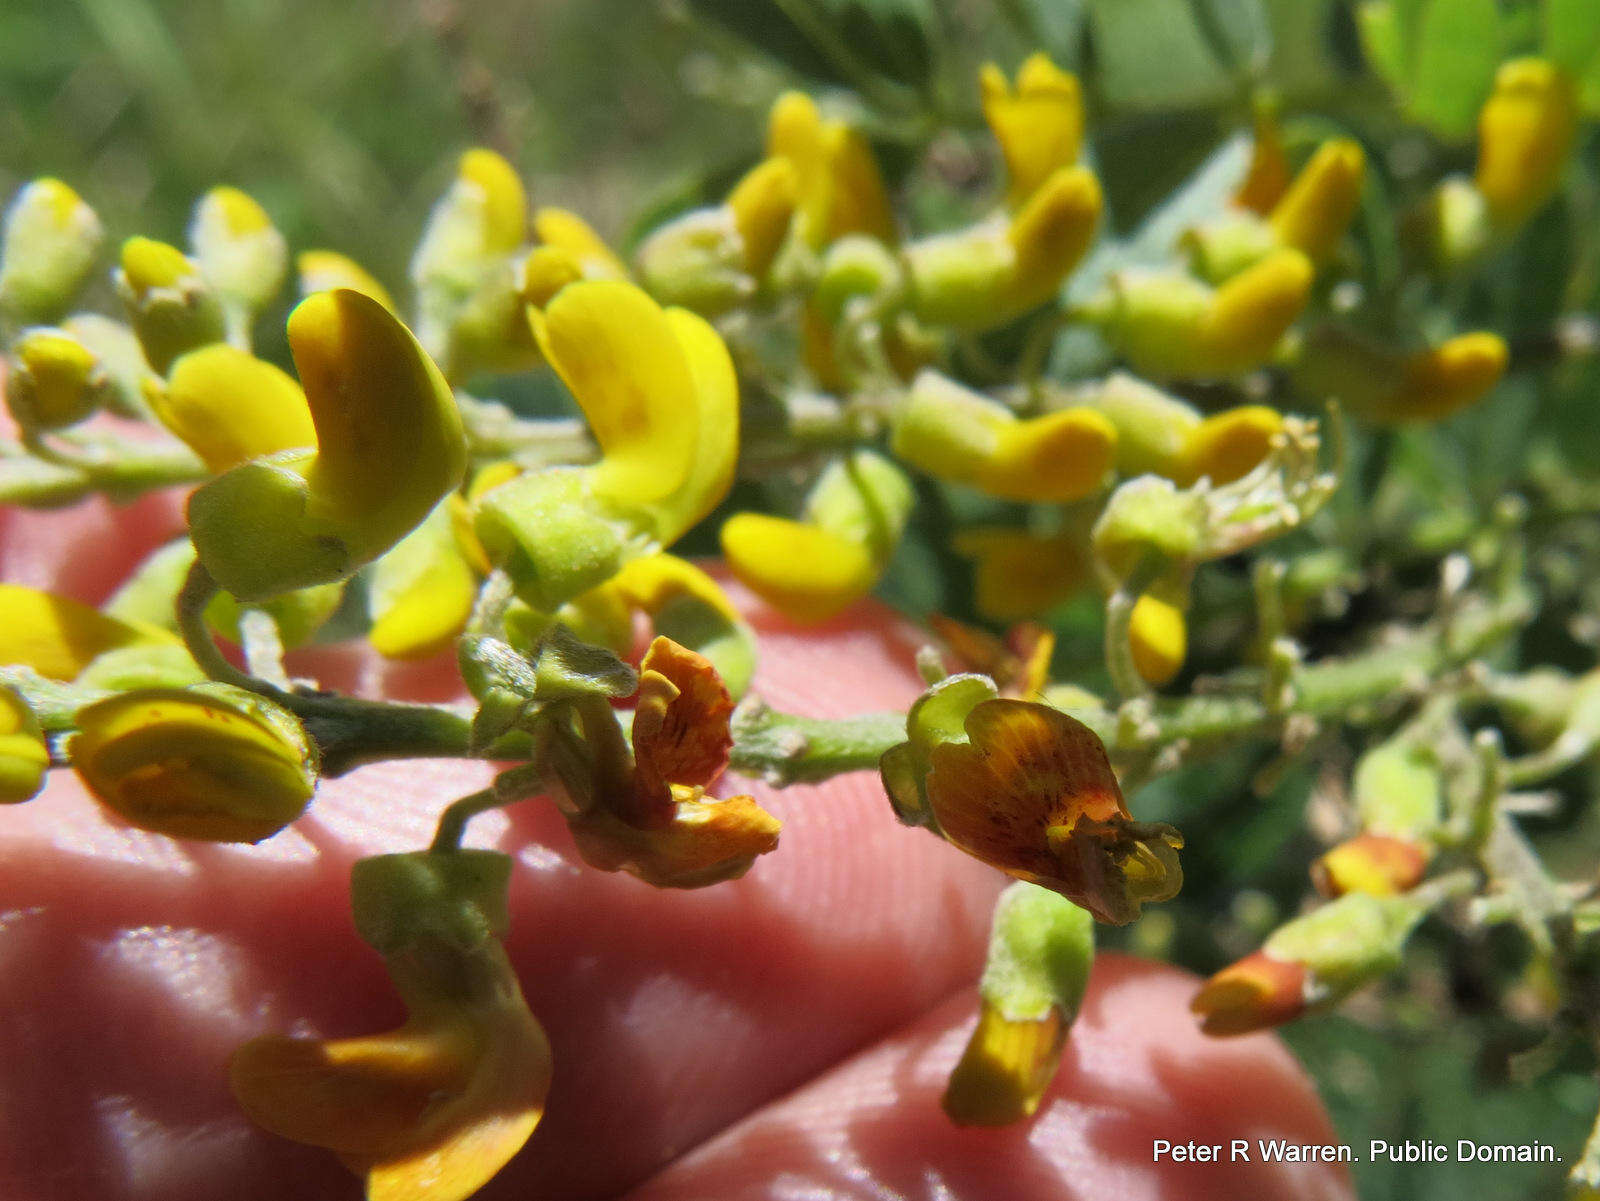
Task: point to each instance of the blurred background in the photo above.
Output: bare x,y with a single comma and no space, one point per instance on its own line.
345,120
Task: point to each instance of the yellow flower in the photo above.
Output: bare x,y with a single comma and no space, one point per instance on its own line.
24,758
210,762
325,270
995,271
434,1108
1315,212
1394,387
1023,575
841,190
50,243
170,305
389,446
1525,135
59,637
1169,325
962,436
762,204
658,825
53,380
1032,793
813,569
566,231
686,605
230,407
1039,125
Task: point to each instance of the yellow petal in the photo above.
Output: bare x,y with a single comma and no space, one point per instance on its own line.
24,758
1525,134
567,231
1005,1069
505,204
705,843
794,129
1251,313
148,264
1226,446
230,406
194,764
1159,634
1439,382
1268,177
422,591
1256,993
238,248
1039,126
1317,209
58,637
1052,231
545,271
806,573
324,270
763,204
716,419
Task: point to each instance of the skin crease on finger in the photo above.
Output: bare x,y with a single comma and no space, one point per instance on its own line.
131,965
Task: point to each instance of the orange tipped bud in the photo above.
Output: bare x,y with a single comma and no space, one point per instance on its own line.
1370,863
1256,993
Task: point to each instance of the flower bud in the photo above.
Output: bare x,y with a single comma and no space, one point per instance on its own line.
857,266
53,380
1267,178
170,305
1148,516
325,270
1313,962
1321,202
762,204
121,358
986,275
1039,125
24,758
840,189
240,252
1450,228
1152,426
1398,795
231,407
697,261
962,436
49,246
811,570
1525,134
389,445
1158,632
1173,326
1041,947
1393,387
211,762
569,233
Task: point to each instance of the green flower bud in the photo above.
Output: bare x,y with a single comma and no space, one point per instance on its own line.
49,246
240,252
1149,517
697,261
170,305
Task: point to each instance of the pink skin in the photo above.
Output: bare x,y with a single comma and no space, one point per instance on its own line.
785,1035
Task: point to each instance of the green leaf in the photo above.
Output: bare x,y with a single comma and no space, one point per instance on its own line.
1460,44
1238,33
1153,55
836,40
1383,41
1572,40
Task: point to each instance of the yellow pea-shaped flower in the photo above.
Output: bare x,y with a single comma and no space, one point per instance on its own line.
211,763
24,758
1228,445
960,435
1039,124
48,248
1525,134
389,446
422,591
231,407
1394,387
59,637
840,188
763,204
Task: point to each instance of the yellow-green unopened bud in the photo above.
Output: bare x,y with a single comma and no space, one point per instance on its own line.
1525,134
1347,943
1397,790
1224,246
53,380
170,306
24,759
697,261
551,535
1452,227
1041,947
1152,426
864,499
857,266
210,762
1148,517
50,242
239,250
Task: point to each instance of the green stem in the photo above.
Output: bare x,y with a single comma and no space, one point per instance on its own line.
197,591
122,470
